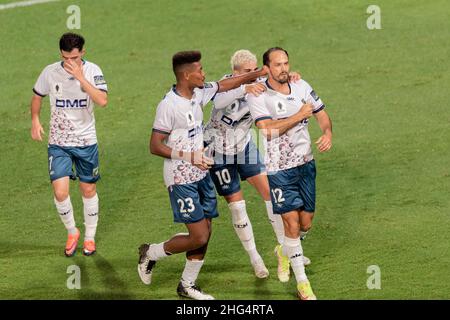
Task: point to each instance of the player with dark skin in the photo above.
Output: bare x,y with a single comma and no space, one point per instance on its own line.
189,77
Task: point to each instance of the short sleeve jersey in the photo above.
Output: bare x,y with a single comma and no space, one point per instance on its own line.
293,148
181,120
72,121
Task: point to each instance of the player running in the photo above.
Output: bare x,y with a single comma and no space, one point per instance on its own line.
74,85
177,136
237,158
282,113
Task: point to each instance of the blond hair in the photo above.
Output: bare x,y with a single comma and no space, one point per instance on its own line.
240,57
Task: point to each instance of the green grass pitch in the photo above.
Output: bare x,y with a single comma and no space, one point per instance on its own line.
383,190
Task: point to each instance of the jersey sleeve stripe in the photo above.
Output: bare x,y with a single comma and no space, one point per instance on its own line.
218,87
39,94
320,109
262,118
161,131
104,90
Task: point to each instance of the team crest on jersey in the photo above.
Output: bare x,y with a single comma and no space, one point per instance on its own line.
234,107
57,89
190,118
280,108
207,85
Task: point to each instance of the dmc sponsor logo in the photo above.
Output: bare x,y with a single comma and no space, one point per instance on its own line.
192,132
67,103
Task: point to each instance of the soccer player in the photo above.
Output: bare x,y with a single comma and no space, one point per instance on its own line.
177,136
282,113
74,86
237,158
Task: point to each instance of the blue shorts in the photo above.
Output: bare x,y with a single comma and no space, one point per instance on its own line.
193,202
294,189
227,171
61,161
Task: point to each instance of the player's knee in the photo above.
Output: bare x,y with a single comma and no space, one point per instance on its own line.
306,226
61,195
88,191
200,240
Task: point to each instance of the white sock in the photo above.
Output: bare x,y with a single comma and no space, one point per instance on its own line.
243,228
156,251
293,249
276,221
190,272
65,211
90,216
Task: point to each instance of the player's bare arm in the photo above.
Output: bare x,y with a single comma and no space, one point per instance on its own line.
159,148
275,128
324,142
224,99
255,88
98,96
36,128
236,81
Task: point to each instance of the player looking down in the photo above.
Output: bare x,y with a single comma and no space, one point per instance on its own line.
74,86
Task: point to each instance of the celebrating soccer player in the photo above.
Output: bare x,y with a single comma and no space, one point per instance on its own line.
237,158
282,113
177,136
74,85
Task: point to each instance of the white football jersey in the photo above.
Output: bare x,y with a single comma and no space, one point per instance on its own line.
72,121
182,120
228,130
293,148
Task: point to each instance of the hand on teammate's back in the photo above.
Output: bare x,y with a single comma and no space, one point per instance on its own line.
294,76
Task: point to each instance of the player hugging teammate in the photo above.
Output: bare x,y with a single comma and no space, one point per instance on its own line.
280,106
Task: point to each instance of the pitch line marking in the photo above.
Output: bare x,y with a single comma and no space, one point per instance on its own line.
13,5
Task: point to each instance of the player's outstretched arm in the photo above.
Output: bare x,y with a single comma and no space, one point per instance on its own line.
99,97
36,128
159,148
275,128
324,142
224,99
236,81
